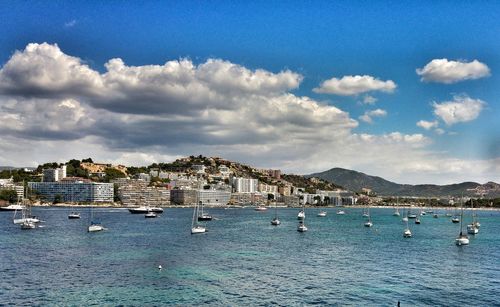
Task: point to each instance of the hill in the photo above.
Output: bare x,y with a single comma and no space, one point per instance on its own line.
356,181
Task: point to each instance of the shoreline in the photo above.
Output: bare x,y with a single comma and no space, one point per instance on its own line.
119,206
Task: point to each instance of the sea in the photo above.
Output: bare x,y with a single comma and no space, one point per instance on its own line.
245,261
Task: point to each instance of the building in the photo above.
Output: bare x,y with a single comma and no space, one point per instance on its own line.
247,198
267,188
244,185
134,192
54,174
199,168
214,197
8,184
224,171
285,189
183,196
74,191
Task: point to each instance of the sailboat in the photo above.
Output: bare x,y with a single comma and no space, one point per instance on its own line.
369,222
472,228
366,212
302,226
302,214
462,238
203,216
407,231
410,214
396,212
94,224
73,214
455,218
26,216
195,227
27,221
322,213
275,220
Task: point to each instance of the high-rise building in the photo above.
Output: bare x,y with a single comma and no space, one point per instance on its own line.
54,174
244,185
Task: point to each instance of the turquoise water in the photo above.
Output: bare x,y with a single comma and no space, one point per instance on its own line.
243,260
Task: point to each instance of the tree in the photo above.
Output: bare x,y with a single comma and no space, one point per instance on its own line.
112,173
57,199
88,160
8,195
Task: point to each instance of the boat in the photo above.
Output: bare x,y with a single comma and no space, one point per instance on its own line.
455,218
396,212
12,207
94,225
260,208
435,215
410,214
462,238
366,212
417,220
150,215
301,215
340,212
472,227
302,227
26,216
203,216
275,221
369,222
195,227
74,215
28,225
145,209
322,213
407,231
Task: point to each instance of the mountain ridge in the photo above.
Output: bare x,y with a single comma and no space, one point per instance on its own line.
356,181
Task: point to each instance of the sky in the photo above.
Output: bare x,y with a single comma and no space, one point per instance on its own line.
404,90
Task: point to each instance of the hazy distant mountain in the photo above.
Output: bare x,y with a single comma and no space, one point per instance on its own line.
355,181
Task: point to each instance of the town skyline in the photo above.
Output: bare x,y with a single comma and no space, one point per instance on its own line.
409,106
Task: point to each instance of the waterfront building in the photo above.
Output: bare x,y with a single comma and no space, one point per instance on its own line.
8,184
54,174
214,197
135,192
74,191
268,189
183,196
248,198
244,185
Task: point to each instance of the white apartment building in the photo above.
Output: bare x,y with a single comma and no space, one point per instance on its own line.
268,188
214,197
244,185
74,191
54,174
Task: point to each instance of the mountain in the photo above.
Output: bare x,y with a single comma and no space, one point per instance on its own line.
356,181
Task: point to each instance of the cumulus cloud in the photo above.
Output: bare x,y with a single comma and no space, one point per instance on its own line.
369,100
354,85
56,103
368,116
461,109
445,71
427,125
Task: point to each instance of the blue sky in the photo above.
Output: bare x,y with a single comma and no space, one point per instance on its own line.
319,41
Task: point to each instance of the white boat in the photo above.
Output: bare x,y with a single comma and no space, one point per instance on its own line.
26,216
410,214
369,222
405,219
301,215
260,208
407,231
462,238
417,220
455,219
12,207
366,213
275,221
340,212
204,216
302,227
150,215
472,227
73,215
94,224
28,225
195,227
145,209
322,214
396,212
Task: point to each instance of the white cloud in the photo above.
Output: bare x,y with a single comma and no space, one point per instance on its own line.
368,116
58,105
444,71
70,23
439,131
427,125
461,109
354,85
369,100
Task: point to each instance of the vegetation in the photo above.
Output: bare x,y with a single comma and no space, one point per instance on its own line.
8,195
19,175
112,173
